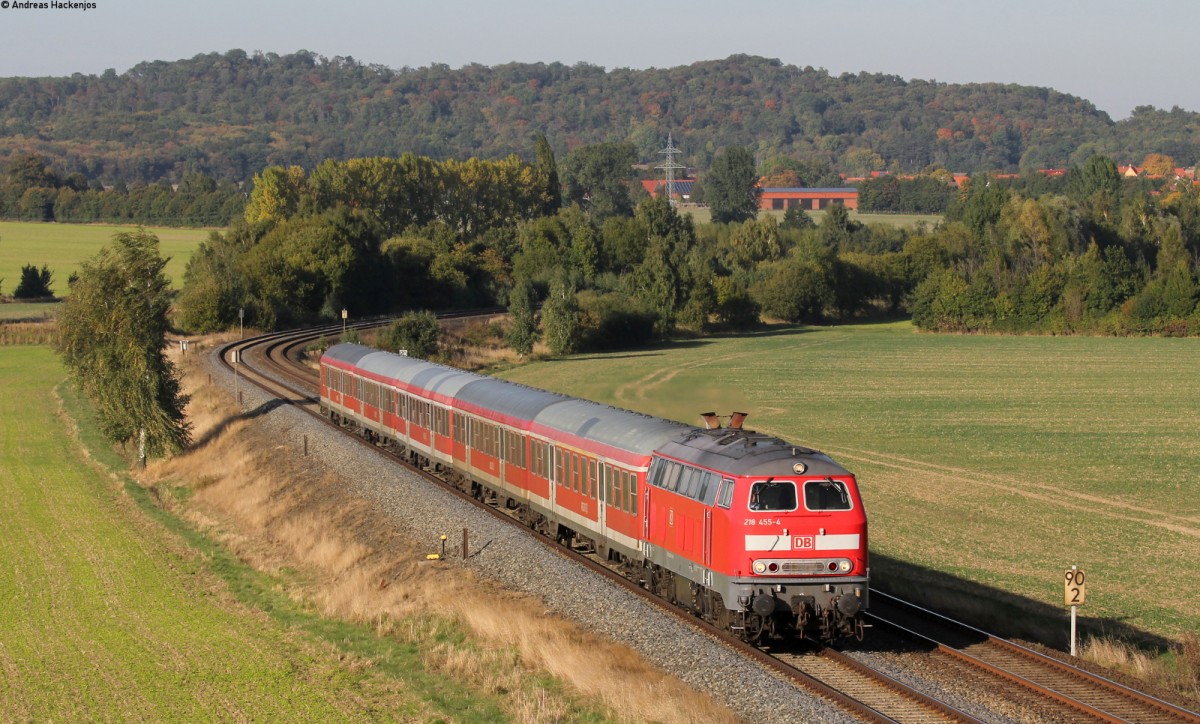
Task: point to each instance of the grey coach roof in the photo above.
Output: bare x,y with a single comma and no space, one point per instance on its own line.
735,451
607,425
348,353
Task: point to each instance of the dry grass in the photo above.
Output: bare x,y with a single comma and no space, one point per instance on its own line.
276,514
1178,672
28,333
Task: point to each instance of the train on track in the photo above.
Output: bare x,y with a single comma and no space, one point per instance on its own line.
763,538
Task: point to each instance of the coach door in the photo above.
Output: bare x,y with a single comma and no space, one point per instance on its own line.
603,493
552,475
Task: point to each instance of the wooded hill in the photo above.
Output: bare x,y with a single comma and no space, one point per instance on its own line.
231,115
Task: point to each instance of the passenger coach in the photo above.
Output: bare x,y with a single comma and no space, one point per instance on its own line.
762,537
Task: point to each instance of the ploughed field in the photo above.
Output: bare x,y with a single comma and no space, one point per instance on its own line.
988,464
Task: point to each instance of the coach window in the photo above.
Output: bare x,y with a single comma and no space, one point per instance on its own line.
633,492
537,463
773,495
826,494
592,488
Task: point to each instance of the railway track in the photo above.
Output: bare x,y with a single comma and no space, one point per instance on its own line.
273,363
1081,695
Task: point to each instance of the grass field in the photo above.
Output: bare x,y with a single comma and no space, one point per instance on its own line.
108,616
28,311
61,247
987,463
701,215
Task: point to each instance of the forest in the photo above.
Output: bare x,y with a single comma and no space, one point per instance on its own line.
229,115
1087,253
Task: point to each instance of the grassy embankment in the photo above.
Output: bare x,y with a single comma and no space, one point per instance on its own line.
988,464
61,247
307,608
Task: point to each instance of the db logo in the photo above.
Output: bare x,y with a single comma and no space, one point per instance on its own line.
803,543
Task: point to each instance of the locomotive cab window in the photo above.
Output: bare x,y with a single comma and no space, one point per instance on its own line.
826,495
725,499
773,495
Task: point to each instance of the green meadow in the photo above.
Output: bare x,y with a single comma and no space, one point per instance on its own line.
62,247
114,611
28,311
992,461
701,215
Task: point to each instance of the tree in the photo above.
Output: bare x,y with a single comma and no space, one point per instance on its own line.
597,177
215,286
981,209
731,186
797,218
112,338
837,226
276,194
523,332
1159,164
560,316
545,170
659,283
31,170
34,284
1098,175
797,289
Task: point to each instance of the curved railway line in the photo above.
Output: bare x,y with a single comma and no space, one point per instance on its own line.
274,363
1087,694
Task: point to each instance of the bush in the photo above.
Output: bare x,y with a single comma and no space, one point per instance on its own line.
417,332
614,321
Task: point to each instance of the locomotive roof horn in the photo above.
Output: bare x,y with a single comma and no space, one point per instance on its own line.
736,419
711,421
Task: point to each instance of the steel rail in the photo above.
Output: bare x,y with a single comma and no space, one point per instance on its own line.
1104,692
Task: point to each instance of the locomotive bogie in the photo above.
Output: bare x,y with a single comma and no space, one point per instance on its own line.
761,537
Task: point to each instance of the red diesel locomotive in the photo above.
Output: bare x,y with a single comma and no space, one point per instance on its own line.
764,538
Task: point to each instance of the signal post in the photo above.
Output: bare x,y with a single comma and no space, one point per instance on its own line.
1074,595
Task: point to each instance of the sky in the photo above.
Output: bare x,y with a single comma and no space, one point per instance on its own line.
1118,55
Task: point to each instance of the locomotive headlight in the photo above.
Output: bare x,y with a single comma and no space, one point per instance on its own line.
844,566
760,567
